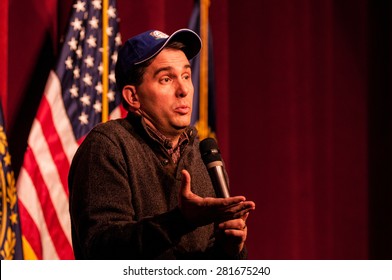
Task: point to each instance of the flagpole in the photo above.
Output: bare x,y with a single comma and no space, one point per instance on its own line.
203,107
105,61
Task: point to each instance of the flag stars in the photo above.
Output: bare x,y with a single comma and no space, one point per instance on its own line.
112,12
112,77
77,24
79,52
73,44
92,41
98,88
109,31
74,91
80,6
13,218
114,57
94,23
68,63
89,60
97,106
83,118
111,95
76,72
97,4
100,68
7,159
82,34
85,60
117,40
85,100
88,79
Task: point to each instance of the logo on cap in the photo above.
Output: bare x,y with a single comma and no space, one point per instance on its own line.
159,35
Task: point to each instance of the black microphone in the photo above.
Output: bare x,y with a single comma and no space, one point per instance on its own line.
212,159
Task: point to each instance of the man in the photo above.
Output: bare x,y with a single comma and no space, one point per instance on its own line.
138,186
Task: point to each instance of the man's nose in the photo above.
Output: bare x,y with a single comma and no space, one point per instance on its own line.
183,88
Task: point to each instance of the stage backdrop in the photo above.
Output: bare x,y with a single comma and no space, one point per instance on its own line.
303,111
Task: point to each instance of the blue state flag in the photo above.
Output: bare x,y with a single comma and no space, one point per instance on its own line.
206,127
10,230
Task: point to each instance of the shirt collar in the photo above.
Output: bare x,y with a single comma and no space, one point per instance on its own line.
163,140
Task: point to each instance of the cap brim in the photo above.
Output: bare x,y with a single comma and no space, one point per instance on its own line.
188,37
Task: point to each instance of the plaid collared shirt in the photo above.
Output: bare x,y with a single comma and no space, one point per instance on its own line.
174,152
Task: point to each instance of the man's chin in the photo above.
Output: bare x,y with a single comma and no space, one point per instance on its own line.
181,125
180,128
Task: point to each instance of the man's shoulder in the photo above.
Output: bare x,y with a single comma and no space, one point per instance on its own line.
111,125
113,129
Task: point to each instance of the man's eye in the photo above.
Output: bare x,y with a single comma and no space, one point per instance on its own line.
166,80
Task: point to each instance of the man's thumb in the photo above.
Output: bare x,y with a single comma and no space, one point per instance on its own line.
185,183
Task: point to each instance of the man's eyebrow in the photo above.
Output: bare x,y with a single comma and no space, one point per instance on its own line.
168,68
159,70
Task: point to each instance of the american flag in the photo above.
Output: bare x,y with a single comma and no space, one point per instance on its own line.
70,107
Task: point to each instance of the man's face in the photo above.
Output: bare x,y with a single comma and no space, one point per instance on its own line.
166,92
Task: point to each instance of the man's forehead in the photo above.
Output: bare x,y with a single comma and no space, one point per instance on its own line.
170,59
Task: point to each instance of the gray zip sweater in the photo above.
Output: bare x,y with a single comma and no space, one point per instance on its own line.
124,197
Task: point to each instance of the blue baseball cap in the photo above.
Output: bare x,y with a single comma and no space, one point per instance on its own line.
147,45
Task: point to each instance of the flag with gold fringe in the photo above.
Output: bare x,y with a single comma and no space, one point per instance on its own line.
203,114
72,104
10,231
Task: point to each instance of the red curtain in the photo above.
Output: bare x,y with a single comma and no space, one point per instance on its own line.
303,115
299,126
3,53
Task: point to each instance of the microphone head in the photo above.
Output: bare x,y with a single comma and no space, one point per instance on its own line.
209,151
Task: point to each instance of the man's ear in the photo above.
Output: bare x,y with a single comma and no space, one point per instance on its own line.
130,96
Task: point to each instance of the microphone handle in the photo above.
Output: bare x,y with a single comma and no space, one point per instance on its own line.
218,178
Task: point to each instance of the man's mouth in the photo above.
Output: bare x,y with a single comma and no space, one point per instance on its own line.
182,110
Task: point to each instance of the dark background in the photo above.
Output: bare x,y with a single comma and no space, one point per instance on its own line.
303,110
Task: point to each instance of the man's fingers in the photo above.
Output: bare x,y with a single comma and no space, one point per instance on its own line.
237,224
239,211
242,207
245,217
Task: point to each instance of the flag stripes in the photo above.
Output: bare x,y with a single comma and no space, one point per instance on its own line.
59,115
54,145
34,236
